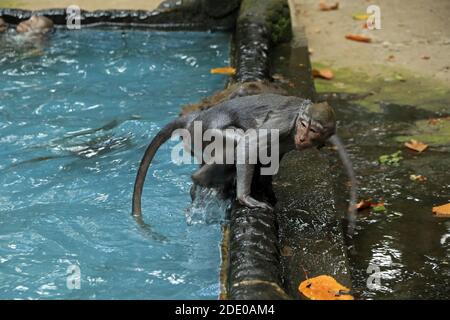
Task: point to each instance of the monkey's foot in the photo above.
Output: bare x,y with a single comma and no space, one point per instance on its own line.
253,203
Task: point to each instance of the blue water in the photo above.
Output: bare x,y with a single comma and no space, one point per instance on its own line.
76,114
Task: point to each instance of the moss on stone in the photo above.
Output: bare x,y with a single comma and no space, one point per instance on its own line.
387,85
274,14
437,134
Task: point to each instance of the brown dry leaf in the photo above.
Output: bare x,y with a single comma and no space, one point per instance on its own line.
230,71
324,288
363,204
442,211
358,37
426,57
416,145
434,122
328,7
323,73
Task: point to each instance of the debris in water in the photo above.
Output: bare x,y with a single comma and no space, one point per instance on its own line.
417,177
375,206
230,71
391,159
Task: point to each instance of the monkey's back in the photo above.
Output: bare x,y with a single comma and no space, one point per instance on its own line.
253,112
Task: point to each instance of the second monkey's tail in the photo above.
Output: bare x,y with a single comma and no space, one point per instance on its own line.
157,141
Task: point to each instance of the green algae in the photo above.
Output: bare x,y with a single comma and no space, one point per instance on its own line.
435,134
386,85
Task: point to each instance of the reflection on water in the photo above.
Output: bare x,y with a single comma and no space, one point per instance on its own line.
75,119
407,245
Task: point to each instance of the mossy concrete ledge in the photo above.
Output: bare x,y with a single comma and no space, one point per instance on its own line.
170,15
270,253
261,25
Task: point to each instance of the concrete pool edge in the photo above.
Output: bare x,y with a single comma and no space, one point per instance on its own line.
170,15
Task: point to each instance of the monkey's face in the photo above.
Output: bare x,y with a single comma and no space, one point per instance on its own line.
310,134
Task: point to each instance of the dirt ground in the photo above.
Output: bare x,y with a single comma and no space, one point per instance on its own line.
414,35
84,4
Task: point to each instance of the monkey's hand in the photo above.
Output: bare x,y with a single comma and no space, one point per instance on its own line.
253,203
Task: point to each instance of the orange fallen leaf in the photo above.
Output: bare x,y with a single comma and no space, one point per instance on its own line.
323,73
358,37
416,145
328,7
230,71
434,122
324,288
442,211
363,204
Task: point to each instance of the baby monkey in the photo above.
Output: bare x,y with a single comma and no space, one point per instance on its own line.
300,124
35,25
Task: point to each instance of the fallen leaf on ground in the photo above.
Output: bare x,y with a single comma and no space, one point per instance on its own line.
443,211
328,7
324,288
434,122
363,204
230,71
416,145
417,177
360,16
358,37
323,73
375,206
426,57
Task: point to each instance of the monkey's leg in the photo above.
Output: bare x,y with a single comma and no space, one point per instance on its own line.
244,173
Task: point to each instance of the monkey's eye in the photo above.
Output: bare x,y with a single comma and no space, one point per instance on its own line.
313,130
303,124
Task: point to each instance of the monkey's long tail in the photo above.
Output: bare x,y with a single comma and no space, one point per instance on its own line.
157,141
351,216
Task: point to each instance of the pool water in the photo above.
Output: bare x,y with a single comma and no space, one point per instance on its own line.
77,111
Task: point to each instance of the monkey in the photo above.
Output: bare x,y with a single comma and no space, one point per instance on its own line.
35,25
301,125
233,91
3,25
